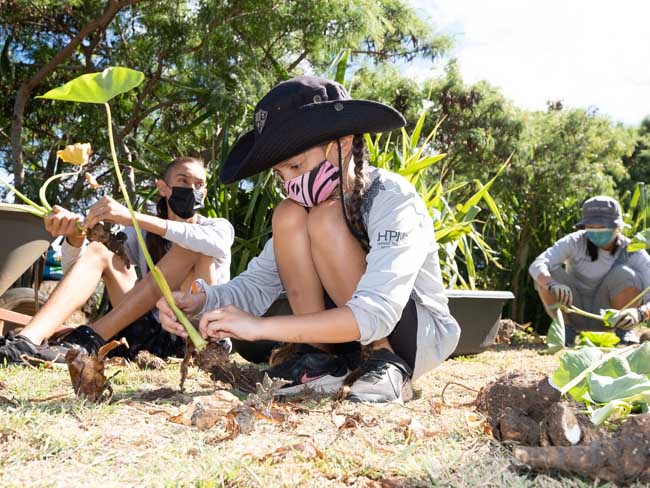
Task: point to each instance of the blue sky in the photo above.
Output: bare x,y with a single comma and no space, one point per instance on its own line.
585,53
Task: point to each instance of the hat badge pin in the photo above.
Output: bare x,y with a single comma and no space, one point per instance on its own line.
260,120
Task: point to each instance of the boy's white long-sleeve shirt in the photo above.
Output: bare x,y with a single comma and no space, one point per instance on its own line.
208,236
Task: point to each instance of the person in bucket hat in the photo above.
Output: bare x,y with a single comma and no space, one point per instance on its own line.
352,246
593,270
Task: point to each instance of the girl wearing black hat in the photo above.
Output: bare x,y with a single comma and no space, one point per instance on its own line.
592,269
352,246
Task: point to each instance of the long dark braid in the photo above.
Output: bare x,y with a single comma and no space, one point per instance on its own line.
352,206
158,245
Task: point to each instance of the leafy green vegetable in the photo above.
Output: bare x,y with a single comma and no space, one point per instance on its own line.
555,338
639,359
604,389
97,87
614,410
572,363
599,339
608,315
614,367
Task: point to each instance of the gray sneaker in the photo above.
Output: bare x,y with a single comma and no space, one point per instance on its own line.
385,378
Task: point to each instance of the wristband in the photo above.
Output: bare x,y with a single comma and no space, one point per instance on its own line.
642,313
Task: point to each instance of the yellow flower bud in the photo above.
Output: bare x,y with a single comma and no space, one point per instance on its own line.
77,154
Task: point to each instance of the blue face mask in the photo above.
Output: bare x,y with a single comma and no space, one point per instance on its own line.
600,237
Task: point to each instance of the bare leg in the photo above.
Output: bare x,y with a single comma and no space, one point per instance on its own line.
292,247
624,297
338,256
96,263
142,298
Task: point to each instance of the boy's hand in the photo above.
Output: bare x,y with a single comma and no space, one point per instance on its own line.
108,210
63,222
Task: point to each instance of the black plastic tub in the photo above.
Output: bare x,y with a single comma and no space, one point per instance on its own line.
478,313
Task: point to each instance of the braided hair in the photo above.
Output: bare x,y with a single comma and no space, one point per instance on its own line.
352,207
157,245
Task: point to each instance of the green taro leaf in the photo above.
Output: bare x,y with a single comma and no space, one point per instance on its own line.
614,368
599,339
572,363
97,87
608,315
555,338
604,389
614,410
639,359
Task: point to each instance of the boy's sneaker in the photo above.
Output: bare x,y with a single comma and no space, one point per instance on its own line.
385,377
82,337
310,369
17,349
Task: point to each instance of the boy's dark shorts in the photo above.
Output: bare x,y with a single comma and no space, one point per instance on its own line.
146,334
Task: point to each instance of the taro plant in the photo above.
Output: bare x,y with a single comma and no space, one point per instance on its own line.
77,154
412,156
100,88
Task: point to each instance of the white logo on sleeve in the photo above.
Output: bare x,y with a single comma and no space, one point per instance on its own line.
390,238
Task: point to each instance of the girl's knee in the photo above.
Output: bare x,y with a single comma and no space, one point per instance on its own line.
325,221
96,251
288,216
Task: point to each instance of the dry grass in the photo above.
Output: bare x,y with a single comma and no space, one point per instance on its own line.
131,442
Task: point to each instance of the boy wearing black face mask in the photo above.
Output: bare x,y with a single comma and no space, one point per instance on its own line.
185,245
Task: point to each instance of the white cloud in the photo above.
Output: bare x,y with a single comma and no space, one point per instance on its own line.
586,53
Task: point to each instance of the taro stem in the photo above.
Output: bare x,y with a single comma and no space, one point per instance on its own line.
157,275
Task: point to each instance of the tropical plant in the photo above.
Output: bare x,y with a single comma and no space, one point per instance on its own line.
413,155
100,88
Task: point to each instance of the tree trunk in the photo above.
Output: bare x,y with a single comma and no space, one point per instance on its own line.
521,262
26,88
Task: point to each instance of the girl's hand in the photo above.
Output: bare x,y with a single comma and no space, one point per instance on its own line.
190,304
108,210
230,322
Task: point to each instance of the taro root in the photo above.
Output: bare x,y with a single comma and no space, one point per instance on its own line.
621,459
87,372
214,359
531,395
560,427
515,425
101,232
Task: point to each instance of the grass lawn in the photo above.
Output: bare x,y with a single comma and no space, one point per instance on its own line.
131,442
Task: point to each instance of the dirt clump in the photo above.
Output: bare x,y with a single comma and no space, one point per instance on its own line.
114,242
146,360
215,360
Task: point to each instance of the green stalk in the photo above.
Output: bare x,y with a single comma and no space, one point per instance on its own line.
24,198
22,208
157,275
43,189
577,311
576,381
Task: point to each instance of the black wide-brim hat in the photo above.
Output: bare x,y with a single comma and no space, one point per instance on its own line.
298,114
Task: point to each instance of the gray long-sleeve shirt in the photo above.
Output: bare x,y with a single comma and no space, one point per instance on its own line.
208,236
402,262
571,252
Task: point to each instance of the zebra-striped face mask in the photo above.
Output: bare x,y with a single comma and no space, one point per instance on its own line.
315,186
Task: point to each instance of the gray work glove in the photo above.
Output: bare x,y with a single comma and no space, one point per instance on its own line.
628,318
562,293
